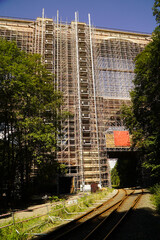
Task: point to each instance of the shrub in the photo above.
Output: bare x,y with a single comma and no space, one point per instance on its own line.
155,190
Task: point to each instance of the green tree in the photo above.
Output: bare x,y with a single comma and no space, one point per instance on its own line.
30,122
156,10
115,180
142,117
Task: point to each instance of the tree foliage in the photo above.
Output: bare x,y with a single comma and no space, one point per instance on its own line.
156,10
30,120
142,117
115,180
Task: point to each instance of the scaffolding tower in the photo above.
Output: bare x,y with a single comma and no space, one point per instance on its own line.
94,69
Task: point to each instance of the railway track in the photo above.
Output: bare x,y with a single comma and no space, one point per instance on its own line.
100,222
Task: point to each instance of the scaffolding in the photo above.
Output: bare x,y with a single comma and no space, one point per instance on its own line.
115,52
18,30
94,69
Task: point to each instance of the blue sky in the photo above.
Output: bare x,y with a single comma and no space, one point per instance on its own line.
134,15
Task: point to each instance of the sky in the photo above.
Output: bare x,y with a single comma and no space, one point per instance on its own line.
133,15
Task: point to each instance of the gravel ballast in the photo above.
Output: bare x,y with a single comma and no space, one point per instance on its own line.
142,224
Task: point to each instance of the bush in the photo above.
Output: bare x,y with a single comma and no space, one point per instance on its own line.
55,199
155,190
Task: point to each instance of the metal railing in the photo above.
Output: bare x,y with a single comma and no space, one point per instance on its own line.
50,210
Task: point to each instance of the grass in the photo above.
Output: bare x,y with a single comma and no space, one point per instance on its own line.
57,215
155,190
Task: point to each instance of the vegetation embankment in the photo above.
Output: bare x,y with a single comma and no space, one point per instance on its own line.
58,214
142,116
155,190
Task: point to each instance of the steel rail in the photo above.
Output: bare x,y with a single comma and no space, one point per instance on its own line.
64,230
94,233
76,227
125,215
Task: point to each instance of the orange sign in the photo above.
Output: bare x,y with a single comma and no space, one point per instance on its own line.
121,138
